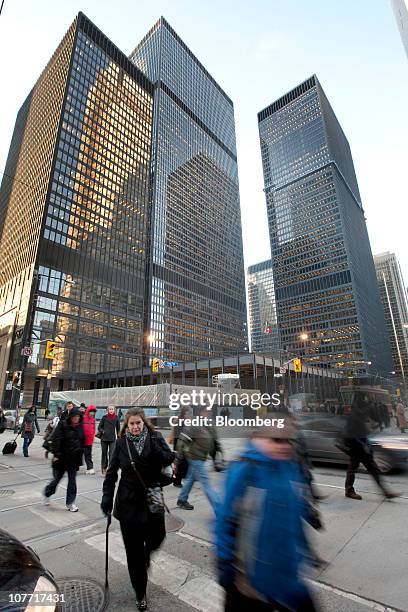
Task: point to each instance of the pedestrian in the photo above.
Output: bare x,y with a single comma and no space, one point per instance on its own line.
108,430
46,413
3,421
140,453
68,407
400,416
48,432
260,540
196,443
181,464
357,446
68,446
82,408
120,414
57,417
27,428
225,412
89,431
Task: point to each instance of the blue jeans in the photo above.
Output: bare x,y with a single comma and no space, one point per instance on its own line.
197,470
26,443
71,489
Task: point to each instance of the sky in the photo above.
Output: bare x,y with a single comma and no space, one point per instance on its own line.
256,51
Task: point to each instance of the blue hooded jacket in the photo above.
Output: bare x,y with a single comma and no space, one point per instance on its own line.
259,527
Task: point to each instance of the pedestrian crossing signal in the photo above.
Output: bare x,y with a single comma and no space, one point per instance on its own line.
297,365
50,350
155,364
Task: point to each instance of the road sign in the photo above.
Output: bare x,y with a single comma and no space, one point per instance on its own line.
161,363
50,349
297,365
170,364
27,351
155,364
283,370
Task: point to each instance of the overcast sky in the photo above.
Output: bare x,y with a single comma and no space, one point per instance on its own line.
257,50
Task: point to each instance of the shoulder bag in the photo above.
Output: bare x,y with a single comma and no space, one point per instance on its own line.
154,495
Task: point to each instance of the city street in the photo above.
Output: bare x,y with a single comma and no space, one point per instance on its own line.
364,542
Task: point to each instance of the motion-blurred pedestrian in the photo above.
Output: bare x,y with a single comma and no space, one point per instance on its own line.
68,446
401,418
260,540
197,443
28,427
140,453
181,464
357,446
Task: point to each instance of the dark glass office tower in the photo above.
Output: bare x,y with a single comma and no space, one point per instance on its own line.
197,288
394,300
263,323
325,283
74,210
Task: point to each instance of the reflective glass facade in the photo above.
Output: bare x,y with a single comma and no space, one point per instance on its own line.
87,140
263,323
197,288
394,300
323,269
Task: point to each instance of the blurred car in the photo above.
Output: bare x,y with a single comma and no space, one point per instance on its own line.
11,418
22,573
321,432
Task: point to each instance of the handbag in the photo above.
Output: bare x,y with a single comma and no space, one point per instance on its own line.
28,427
154,495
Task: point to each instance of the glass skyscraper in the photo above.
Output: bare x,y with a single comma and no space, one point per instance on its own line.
197,287
394,300
324,277
74,208
263,323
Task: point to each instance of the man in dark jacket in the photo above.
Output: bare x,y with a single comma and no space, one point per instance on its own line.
108,430
357,446
65,413
196,443
68,446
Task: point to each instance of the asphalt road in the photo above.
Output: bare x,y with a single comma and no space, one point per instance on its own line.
365,543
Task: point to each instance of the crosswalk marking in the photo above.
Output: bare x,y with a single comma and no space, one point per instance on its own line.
180,578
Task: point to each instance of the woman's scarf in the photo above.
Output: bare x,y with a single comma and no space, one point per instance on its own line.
138,441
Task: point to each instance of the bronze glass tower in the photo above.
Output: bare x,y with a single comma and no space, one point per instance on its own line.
74,207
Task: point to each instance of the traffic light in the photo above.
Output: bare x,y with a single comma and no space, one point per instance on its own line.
297,364
50,349
155,365
16,378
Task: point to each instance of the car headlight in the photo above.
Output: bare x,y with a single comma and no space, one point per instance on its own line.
45,596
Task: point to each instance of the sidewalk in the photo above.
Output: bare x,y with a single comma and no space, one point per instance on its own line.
365,542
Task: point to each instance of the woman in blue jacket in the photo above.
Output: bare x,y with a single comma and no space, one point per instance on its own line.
260,540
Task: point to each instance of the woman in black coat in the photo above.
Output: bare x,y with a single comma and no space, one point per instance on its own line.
142,531
27,429
68,441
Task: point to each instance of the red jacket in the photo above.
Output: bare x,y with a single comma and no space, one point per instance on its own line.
89,424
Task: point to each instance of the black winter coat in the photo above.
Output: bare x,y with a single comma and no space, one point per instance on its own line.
130,501
109,428
30,420
68,445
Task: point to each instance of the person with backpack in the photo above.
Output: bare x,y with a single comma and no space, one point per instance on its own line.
48,433
89,431
260,540
108,429
140,454
197,443
27,428
68,443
